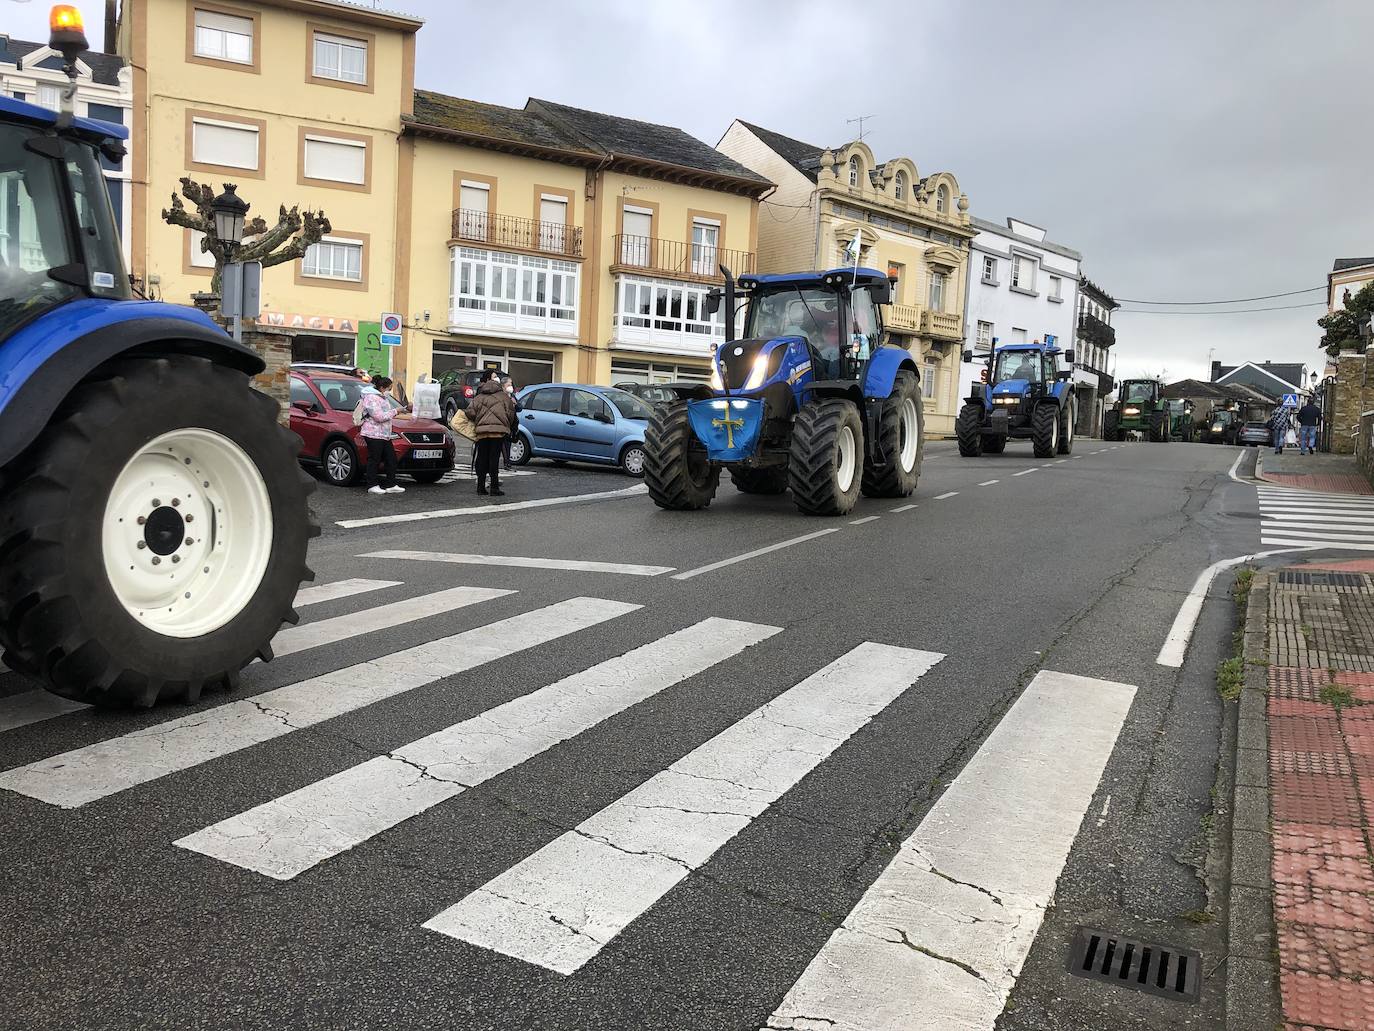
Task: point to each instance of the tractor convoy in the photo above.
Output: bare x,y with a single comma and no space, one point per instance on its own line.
1139,408
1024,395
153,517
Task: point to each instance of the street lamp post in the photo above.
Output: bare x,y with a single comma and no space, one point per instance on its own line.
229,211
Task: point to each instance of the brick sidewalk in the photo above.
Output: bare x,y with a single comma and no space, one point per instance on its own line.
1321,785
1336,474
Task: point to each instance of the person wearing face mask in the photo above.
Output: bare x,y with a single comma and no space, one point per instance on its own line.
492,413
508,385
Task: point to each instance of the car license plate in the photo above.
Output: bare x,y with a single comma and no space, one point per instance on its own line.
434,453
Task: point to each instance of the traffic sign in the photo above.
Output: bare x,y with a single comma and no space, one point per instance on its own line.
391,329
1290,400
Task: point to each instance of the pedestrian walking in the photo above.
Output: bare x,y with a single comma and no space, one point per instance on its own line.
492,413
378,415
1309,421
1278,425
508,385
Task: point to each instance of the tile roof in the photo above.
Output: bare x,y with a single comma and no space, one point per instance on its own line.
1217,391
511,124
1289,372
104,67
804,157
1341,264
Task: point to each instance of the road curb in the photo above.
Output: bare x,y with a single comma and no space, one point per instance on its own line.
1252,987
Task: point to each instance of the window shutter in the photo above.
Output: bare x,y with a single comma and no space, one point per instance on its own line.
336,160
473,198
638,223
224,22
218,144
553,210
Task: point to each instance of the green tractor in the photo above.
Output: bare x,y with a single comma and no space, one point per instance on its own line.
1140,408
1181,425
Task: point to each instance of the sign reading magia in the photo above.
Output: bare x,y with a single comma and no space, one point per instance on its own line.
294,320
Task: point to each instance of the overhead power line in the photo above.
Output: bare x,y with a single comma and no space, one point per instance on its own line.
1229,311
1233,300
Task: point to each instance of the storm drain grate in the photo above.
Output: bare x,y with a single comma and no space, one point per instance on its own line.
1301,578
1127,963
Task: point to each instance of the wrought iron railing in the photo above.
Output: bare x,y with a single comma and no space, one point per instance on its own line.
676,258
482,229
1095,331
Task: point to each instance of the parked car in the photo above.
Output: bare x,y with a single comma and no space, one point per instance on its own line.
574,422
456,388
654,393
1220,427
1254,434
322,404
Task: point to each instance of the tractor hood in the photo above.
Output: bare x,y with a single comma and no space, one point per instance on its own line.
1012,388
748,365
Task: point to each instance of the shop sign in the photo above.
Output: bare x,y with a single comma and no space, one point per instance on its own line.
295,320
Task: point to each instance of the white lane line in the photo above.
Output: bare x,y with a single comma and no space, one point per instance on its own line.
1324,533
1298,494
19,710
938,940
946,494
1308,508
1316,523
340,589
1062,461
561,906
988,483
381,617
83,775
1077,457
1309,545
1023,472
514,506
865,519
753,554
903,508
290,834
624,568
1176,644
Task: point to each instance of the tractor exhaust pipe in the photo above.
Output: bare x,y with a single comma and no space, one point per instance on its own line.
729,304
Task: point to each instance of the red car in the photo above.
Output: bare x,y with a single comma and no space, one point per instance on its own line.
322,406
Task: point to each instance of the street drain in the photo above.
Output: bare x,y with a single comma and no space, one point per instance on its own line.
1128,963
1303,578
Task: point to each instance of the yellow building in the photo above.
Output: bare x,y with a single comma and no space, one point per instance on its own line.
914,227
565,244
299,102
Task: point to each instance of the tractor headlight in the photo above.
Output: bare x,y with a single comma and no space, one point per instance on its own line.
1216,427
716,382
1006,400
1130,411
758,373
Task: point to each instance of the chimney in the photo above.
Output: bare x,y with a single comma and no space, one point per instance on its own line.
1216,371
111,26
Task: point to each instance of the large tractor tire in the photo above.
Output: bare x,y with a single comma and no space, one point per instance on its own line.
1045,430
1159,427
679,477
1111,425
155,535
994,444
1066,419
771,479
968,428
901,439
825,466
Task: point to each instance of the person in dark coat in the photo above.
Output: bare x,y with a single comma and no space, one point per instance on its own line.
492,414
1309,421
1278,423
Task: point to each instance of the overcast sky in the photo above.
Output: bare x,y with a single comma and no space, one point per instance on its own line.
1196,150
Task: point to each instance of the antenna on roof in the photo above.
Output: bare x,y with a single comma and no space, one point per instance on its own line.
861,119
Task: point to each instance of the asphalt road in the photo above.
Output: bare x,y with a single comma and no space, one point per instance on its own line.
1077,567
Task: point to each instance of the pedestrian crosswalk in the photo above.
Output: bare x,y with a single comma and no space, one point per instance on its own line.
1304,518
993,846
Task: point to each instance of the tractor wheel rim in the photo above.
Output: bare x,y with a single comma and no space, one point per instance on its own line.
1054,432
517,451
845,464
634,461
339,463
909,434
187,533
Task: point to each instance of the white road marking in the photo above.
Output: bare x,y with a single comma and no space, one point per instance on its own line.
1345,511
1305,544
903,508
1318,497
494,509
865,519
1176,644
1106,806
1023,472
381,617
86,774
1325,533
1290,523
290,834
988,483
19,710
562,905
753,554
938,941
627,569
1236,465
946,494
1060,462
340,589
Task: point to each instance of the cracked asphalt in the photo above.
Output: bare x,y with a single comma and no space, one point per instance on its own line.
1079,568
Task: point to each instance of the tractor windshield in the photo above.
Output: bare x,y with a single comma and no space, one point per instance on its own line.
1139,390
54,215
1017,365
810,313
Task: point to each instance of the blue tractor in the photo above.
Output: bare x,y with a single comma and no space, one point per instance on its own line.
813,398
1023,394
153,518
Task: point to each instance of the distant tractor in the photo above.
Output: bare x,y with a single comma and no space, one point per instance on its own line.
813,399
1024,395
1220,427
1139,408
153,519
1181,425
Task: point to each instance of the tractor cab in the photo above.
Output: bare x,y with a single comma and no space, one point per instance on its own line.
1023,395
1139,408
1141,391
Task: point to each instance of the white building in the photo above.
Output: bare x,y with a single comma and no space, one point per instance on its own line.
1022,289
104,89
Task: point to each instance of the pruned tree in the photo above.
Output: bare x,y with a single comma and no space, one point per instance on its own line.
288,240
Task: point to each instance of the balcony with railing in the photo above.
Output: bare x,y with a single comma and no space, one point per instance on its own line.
674,259
1094,331
942,324
473,228
904,318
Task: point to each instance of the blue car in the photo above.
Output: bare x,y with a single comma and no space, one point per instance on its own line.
579,423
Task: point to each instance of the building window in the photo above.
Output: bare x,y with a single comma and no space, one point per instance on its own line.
929,379
989,270
334,259
655,372
705,246
942,199
521,293
1018,335
637,230
667,313
937,291
1056,288
899,186
200,258
224,37
340,161
983,339
553,223
340,58
473,202
231,144
1023,273
49,96
853,171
